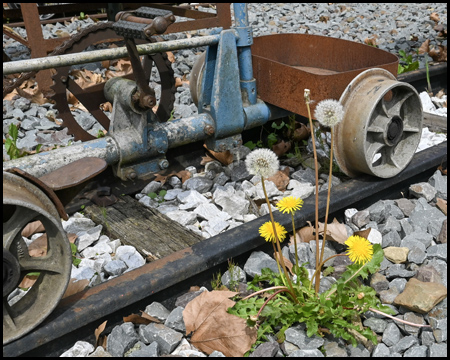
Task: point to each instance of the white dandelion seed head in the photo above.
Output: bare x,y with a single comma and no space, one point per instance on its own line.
263,162
329,112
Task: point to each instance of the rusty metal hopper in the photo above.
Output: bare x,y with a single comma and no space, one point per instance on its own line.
286,64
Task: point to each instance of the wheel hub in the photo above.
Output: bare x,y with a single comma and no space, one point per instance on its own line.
11,272
394,131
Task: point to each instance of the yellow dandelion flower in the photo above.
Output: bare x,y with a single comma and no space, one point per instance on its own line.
360,250
289,204
266,231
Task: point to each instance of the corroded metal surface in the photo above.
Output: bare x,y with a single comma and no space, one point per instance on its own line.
23,203
286,64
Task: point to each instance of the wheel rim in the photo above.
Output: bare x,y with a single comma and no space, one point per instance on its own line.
381,128
22,204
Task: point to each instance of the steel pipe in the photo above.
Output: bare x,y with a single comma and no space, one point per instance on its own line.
51,62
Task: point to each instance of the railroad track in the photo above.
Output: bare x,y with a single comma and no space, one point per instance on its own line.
76,317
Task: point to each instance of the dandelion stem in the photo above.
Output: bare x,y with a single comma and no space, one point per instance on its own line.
295,244
270,298
321,264
278,241
399,320
324,236
317,284
264,290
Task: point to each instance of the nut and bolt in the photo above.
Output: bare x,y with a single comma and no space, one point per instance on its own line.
209,130
131,175
163,164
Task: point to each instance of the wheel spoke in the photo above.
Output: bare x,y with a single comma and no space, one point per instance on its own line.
39,264
394,106
390,157
373,149
11,228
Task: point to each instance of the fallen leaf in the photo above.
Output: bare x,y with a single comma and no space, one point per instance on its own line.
306,233
363,233
170,56
75,286
280,179
97,333
212,328
424,48
281,148
435,17
335,231
107,106
372,41
439,53
141,319
33,228
301,132
28,281
442,170
206,159
182,174
442,205
224,157
38,247
287,262
72,237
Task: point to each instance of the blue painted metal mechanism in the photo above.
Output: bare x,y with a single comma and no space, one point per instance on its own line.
136,144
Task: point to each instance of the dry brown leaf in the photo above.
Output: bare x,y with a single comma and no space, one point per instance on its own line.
33,228
442,205
281,148
439,53
72,237
107,106
424,48
363,233
206,159
335,231
372,41
183,175
28,281
213,328
194,288
97,333
442,170
38,247
287,262
280,179
306,233
435,17
224,157
301,132
75,286
144,318
170,56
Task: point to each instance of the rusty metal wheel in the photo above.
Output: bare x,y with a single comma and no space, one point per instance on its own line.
382,125
23,203
92,97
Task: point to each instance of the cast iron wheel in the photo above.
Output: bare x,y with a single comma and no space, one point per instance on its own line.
23,203
382,125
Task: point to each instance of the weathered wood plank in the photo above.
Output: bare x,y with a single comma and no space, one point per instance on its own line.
146,229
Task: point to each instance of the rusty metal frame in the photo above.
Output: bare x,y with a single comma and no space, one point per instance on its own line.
40,47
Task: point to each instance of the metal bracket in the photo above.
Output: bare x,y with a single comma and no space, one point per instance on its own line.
220,96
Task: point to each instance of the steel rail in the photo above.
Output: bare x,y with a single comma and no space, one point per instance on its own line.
51,62
86,310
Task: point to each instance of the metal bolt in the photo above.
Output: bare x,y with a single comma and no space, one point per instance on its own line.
64,79
209,130
163,164
131,175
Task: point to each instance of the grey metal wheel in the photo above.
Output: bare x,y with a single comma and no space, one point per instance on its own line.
23,203
382,125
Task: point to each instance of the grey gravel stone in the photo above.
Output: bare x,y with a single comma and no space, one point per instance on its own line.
358,351
424,190
115,267
416,255
267,349
392,238
404,344
167,338
80,349
405,205
427,337
216,353
439,183
398,270
151,350
391,334
439,251
297,335
121,339
233,278
175,320
199,183
438,350
157,310
332,349
306,353
257,261
381,350
416,351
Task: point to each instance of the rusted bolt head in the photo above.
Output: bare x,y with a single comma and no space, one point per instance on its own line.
163,164
63,79
131,175
148,101
209,130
